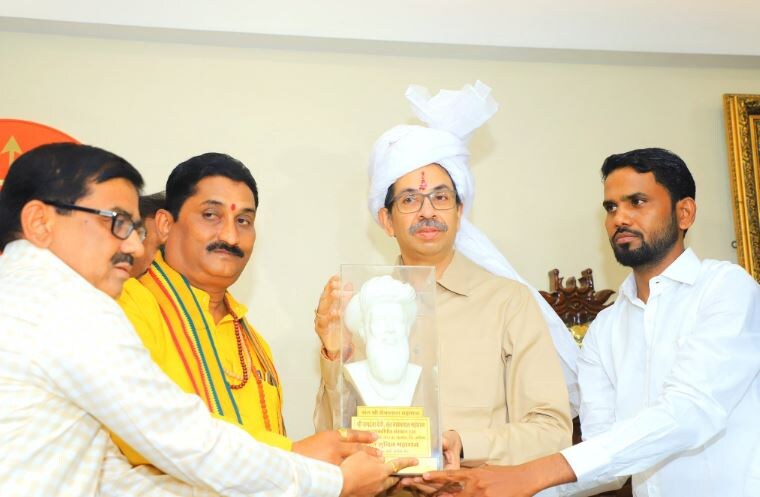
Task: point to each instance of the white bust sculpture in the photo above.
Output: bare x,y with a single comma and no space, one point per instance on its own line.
382,314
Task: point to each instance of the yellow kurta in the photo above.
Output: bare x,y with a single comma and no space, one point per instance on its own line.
172,319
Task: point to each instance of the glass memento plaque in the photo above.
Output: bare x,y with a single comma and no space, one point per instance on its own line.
388,375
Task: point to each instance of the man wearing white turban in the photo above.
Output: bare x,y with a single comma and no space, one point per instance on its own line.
501,389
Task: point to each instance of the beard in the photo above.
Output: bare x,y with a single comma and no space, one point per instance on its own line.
650,252
387,361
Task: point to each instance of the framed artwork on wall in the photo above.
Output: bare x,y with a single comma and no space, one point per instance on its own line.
742,119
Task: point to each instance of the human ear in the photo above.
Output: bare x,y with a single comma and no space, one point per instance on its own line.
385,220
37,221
686,212
164,221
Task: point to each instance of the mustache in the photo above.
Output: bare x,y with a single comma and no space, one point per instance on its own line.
220,245
120,257
623,229
428,223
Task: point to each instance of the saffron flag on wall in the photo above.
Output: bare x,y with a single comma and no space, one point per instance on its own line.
18,136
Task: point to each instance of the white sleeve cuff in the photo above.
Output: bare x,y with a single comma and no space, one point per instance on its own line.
586,459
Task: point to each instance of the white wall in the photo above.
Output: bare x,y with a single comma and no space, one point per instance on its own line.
304,122
675,26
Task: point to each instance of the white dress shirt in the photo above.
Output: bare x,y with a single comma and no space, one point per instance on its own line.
670,391
72,367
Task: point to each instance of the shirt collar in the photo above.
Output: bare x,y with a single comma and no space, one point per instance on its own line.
24,252
461,275
203,297
239,309
685,269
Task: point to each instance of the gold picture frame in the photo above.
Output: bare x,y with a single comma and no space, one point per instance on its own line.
742,115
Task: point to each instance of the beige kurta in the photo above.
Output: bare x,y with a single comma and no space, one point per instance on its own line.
501,387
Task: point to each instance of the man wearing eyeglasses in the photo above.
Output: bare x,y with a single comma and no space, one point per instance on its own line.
72,368
122,227
501,387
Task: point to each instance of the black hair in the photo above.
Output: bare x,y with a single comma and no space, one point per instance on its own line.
669,170
184,179
60,172
388,203
149,204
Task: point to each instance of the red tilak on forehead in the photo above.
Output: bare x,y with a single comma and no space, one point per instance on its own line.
423,183
232,207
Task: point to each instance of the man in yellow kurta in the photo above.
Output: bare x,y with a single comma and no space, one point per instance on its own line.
195,330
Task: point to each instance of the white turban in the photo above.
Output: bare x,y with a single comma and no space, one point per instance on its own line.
451,118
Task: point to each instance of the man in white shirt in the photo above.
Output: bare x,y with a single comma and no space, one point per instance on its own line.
72,367
670,391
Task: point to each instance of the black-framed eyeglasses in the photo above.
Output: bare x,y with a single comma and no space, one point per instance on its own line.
410,202
122,224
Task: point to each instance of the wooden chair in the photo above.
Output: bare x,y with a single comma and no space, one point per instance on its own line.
577,304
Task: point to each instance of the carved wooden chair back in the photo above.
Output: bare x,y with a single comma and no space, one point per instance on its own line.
575,301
